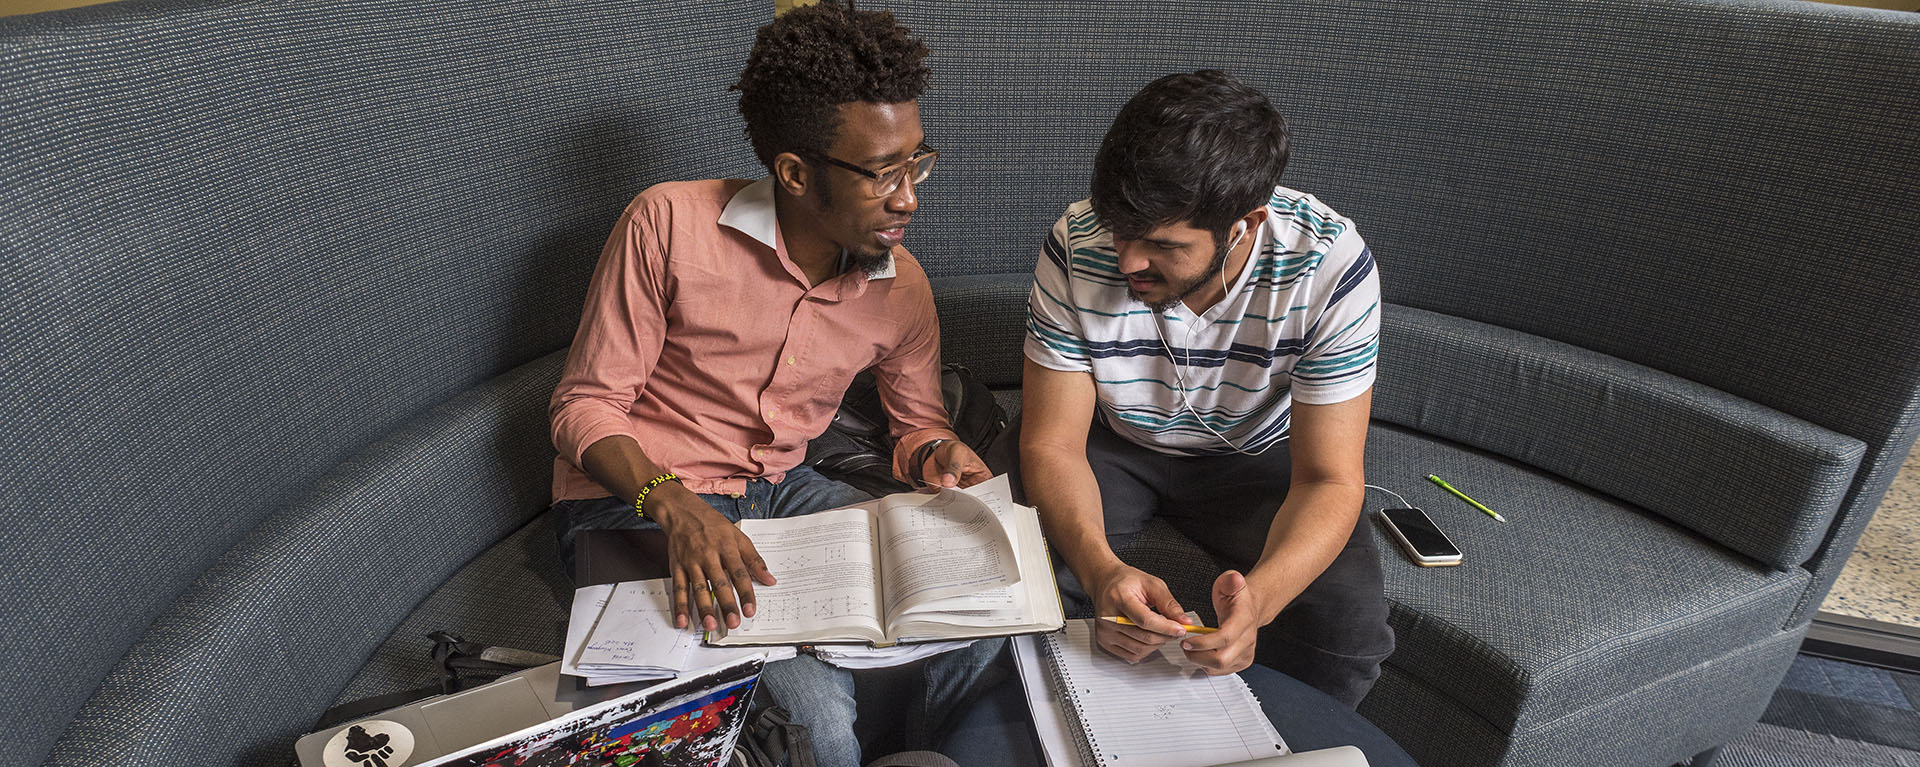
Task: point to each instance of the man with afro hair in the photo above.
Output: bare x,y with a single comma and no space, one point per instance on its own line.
724,323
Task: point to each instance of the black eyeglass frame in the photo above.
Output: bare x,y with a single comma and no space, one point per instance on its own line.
922,153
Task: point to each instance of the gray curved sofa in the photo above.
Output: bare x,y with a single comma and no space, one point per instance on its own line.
284,286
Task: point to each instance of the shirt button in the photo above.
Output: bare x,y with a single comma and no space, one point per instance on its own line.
790,360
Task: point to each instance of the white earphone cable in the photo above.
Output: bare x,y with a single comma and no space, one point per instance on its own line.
1240,232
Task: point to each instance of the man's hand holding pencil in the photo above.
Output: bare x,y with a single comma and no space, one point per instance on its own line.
1153,616
1131,628
1230,649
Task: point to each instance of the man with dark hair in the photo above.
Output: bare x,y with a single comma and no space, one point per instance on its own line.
1184,324
726,320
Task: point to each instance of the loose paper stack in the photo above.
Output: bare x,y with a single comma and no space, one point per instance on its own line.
854,656
624,633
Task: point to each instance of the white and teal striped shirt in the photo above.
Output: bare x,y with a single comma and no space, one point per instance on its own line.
1301,323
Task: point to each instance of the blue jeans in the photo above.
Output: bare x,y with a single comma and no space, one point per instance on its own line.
817,695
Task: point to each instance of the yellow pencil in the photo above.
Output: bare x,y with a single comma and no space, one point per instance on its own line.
1124,621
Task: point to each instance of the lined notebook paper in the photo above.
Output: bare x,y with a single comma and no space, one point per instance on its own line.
1161,712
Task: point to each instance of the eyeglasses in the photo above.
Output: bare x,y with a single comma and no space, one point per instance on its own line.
887,180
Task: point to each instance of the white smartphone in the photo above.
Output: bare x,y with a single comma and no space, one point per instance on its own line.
1420,538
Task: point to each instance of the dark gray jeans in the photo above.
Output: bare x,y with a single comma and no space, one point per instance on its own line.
1333,636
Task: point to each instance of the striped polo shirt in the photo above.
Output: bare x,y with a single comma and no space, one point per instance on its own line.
1300,323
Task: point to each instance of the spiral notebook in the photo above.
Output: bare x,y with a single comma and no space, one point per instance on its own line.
1092,709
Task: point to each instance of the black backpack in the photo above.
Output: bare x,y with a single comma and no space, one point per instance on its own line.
858,450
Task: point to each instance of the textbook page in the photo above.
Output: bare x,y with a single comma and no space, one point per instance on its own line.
1030,604
938,546
996,606
827,585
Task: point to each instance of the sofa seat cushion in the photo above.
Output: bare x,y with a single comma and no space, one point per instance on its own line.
1576,599
511,595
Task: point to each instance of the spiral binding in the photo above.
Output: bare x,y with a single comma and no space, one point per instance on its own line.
1070,703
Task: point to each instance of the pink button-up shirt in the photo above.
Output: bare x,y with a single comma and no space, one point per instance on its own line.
702,341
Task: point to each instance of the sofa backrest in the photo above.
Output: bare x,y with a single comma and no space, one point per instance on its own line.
243,242
1718,191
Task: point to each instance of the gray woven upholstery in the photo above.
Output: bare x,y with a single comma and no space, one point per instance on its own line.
1664,256
244,241
1611,597
250,653
283,286
1537,165
1682,713
1760,482
978,314
514,595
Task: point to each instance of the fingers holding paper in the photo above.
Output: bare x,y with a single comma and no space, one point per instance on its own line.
1230,649
953,464
1142,598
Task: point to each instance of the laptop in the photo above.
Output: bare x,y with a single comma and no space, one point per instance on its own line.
538,717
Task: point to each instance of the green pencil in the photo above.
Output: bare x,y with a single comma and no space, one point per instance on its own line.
1463,496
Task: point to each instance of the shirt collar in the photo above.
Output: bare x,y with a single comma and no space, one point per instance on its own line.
751,213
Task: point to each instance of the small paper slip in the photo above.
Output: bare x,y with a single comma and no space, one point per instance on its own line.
624,632
862,656
1092,709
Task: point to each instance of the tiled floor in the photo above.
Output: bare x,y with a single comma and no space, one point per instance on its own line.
1882,579
1829,712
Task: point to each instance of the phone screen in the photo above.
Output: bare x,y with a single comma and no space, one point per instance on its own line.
1421,533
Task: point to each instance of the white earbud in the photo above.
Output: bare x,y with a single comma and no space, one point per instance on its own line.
1239,231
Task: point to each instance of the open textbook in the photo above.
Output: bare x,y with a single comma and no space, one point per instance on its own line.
910,567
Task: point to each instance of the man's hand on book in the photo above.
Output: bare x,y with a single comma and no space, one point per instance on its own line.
1122,589
953,464
1230,649
704,548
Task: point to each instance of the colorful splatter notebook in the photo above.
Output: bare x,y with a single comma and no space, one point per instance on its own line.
694,720
539,717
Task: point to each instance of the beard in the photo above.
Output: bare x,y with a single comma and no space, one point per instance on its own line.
872,262
1183,288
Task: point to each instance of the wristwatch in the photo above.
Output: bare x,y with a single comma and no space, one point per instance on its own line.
919,461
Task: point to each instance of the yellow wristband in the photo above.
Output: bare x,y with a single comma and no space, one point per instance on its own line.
639,502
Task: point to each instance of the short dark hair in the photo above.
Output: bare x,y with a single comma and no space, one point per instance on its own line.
1200,148
814,58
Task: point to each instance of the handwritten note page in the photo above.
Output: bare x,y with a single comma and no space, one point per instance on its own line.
824,565
946,545
589,602
637,622
1163,711
635,633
